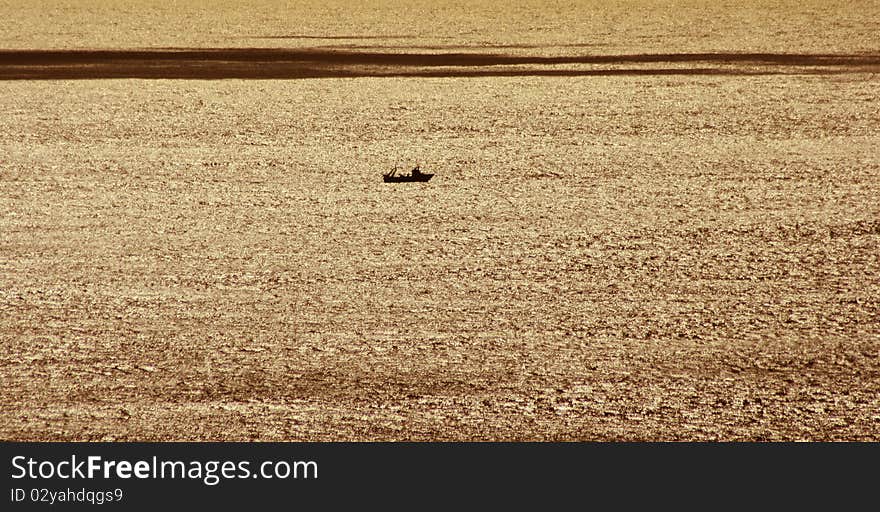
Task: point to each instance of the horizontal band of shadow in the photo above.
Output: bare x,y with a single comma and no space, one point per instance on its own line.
447,47
283,73
343,58
336,37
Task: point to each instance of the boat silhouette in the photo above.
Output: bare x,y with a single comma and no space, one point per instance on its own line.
415,175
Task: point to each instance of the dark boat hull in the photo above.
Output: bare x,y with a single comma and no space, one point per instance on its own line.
406,179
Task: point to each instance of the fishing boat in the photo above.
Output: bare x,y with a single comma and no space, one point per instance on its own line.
415,175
